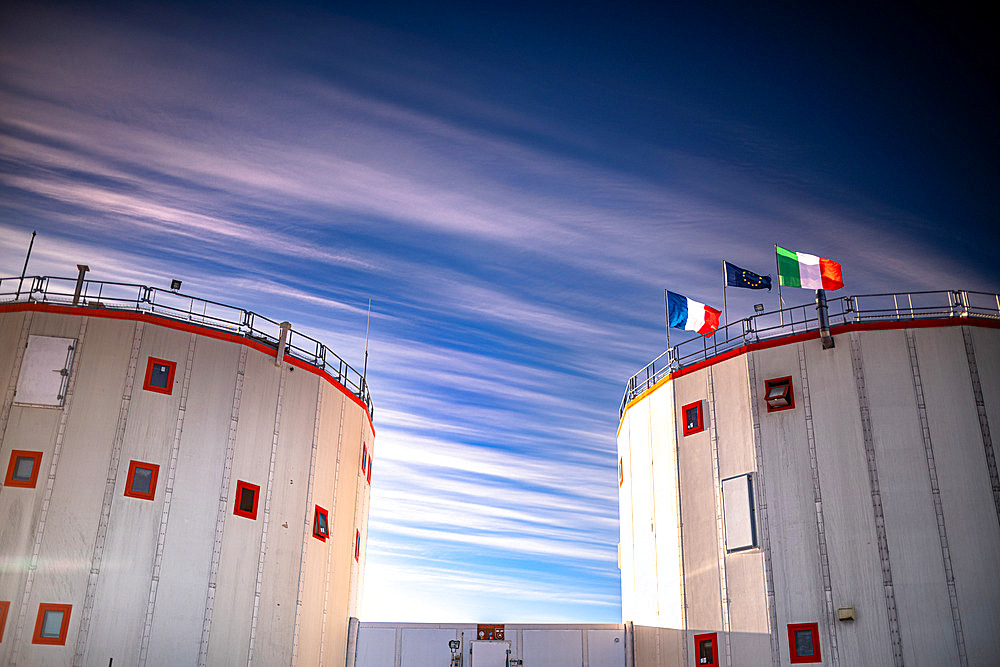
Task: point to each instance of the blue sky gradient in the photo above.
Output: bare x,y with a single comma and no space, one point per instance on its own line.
513,187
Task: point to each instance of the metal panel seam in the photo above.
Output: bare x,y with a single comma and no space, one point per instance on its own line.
47,498
984,423
761,500
227,470
652,515
883,544
824,554
329,550
680,530
168,494
925,431
15,371
306,524
267,513
719,529
109,491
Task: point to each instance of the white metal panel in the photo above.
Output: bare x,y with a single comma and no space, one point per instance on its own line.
45,370
489,653
426,647
606,648
737,505
376,647
644,561
553,648
667,554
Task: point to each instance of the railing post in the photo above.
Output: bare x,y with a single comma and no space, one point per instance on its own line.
79,282
282,343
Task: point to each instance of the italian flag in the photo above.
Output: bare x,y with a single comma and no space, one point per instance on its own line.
798,269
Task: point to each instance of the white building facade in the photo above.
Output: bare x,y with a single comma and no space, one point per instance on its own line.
173,493
784,500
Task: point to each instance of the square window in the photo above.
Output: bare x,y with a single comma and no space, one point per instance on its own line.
141,480
706,649
364,459
160,375
51,624
247,497
778,394
693,423
4,608
621,471
357,545
803,642
370,462
23,468
321,527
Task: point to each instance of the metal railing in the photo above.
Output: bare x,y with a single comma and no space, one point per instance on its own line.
800,319
185,308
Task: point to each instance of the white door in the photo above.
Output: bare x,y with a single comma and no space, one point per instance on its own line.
489,653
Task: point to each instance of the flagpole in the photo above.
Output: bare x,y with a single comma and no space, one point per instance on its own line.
777,274
725,308
666,315
364,373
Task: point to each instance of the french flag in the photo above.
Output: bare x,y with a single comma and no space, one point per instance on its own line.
683,313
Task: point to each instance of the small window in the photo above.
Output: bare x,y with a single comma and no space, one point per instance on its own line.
364,459
693,423
23,469
370,462
706,649
160,375
357,545
247,496
778,394
141,480
803,642
621,471
321,526
4,608
51,624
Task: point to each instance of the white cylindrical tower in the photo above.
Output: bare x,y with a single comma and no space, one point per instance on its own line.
174,493
784,501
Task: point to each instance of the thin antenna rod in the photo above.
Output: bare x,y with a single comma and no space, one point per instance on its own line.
364,373
25,269
781,303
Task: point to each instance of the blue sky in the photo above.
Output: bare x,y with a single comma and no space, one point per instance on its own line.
513,187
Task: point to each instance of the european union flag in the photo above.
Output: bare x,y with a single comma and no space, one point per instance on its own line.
737,277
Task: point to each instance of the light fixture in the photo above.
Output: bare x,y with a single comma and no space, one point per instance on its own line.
779,394
175,284
758,308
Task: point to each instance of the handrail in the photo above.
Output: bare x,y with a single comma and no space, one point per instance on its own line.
887,307
175,305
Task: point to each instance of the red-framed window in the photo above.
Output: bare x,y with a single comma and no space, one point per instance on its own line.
23,469
357,545
370,462
321,524
364,459
160,375
692,418
4,608
706,649
803,642
52,624
247,499
621,471
778,394
141,480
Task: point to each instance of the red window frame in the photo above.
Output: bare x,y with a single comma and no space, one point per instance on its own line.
364,459
240,486
708,636
4,608
792,651
132,467
37,638
370,461
171,368
357,545
701,418
776,382
318,532
621,471
24,484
